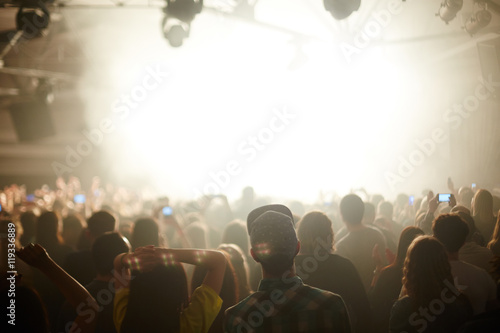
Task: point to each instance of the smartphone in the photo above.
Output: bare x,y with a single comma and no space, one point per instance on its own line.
473,186
79,198
30,197
412,200
444,197
167,211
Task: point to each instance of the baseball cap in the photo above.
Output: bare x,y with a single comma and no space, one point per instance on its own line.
272,233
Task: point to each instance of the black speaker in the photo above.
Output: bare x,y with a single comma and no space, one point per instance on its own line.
489,58
32,120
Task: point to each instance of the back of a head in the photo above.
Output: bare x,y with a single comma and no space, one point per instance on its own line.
197,234
352,209
100,223
450,230
386,209
235,233
426,269
146,232
482,205
407,236
470,224
369,215
376,199
156,300
47,229
465,195
315,233
104,250
239,263
273,238
30,314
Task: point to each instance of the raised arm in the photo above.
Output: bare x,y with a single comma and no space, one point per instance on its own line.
213,261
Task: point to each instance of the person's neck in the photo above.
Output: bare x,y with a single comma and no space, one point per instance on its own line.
354,227
289,273
452,256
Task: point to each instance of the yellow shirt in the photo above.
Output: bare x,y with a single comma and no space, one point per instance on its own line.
196,318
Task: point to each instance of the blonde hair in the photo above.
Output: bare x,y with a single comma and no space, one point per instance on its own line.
482,206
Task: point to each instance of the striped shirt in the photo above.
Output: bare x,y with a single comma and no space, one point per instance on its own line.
288,305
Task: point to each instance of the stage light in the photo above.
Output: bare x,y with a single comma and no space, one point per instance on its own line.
477,21
341,9
179,14
449,9
32,18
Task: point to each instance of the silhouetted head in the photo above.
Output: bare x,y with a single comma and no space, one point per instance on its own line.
146,232
273,238
101,222
426,269
105,249
465,195
405,239
386,209
352,209
29,312
315,233
72,228
235,232
47,230
482,205
156,300
451,230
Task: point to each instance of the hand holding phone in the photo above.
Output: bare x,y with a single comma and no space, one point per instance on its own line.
444,197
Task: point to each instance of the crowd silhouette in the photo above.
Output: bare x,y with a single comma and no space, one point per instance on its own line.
112,259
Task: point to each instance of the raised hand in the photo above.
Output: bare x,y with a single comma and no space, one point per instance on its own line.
34,255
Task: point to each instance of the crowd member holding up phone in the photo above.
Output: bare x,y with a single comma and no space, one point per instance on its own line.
152,296
434,202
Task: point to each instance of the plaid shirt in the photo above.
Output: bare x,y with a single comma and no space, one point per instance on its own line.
288,305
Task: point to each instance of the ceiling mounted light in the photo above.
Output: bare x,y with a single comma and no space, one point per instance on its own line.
449,9
478,21
341,9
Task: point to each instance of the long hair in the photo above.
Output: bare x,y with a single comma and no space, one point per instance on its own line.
482,207
407,236
229,292
426,269
315,226
496,233
156,300
239,262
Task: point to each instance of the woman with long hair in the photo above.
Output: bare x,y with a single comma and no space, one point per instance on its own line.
431,302
387,287
229,291
494,244
482,212
152,290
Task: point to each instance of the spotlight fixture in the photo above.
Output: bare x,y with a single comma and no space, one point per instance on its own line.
32,17
449,9
341,9
477,21
179,14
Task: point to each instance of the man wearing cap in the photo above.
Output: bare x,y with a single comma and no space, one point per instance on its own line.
283,303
